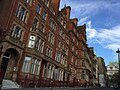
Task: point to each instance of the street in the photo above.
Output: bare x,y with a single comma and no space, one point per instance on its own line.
65,88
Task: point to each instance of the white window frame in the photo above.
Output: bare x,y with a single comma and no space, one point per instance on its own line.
38,8
51,37
29,1
22,15
37,66
58,56
44,15
49,52
31,42
26,64
41,46
35,24
15,34
42,28
32,66
47,3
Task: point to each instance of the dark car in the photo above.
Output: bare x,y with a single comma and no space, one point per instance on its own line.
115,86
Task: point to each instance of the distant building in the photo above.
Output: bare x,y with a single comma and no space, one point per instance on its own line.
95,71
102,72
112,69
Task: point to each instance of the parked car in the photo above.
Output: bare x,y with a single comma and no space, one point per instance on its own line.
111,86
115,86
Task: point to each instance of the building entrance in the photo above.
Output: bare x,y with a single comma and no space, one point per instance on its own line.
9,64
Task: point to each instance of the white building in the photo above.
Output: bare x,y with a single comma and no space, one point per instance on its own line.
112,69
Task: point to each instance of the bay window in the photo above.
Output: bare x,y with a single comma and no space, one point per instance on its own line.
17,32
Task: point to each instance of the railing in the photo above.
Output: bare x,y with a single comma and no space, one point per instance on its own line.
28,82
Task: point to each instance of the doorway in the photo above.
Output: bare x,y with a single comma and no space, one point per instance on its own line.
9,62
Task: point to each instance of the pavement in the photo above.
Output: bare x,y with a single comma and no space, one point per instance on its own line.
9,85
66,88
56,88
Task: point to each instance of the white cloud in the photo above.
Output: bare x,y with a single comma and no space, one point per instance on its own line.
108,38
64,2
89,24
81,8
82,20
112,46
84,9
91,32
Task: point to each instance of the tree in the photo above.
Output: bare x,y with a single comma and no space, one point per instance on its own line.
113,79
116,64
113,63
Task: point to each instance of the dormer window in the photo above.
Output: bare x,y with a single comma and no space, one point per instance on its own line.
29,1
47,3
38,8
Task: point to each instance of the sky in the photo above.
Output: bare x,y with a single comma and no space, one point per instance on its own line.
102,18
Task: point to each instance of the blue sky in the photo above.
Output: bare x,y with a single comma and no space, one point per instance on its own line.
102,18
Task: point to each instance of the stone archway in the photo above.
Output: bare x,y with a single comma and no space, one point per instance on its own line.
9,63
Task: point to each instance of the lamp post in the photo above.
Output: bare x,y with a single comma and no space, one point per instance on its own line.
118,51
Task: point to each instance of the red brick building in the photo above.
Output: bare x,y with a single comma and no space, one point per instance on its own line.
40,45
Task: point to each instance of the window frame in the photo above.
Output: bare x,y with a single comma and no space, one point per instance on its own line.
38,8
44,15
18,35
26,64
31,41
22,12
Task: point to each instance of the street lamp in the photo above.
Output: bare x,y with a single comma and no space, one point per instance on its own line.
118,51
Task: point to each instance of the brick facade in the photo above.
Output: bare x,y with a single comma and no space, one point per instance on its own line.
42,46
